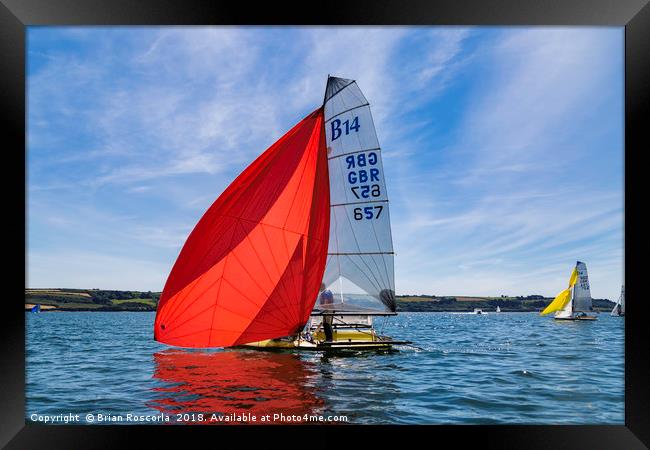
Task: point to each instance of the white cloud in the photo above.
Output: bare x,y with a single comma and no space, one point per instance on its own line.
176,113
515,192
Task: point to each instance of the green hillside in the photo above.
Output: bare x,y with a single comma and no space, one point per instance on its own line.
105,300
92,299
467,304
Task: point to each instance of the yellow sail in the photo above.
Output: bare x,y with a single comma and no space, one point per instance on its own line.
574,277
563,297
558,303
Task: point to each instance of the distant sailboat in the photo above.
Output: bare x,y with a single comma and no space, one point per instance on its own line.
36,308
619,308
498,309
573,302
308,217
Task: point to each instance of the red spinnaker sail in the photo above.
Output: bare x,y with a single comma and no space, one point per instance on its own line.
251,268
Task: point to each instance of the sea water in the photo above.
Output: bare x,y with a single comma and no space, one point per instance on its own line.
506,368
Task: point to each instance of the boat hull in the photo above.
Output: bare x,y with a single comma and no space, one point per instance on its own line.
350,340
576,318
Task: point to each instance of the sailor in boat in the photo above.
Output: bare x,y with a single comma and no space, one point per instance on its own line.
326,300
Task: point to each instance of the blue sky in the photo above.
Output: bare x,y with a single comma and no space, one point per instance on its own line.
502,147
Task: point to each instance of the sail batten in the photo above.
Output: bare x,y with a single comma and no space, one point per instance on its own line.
346,111
360,266
352,153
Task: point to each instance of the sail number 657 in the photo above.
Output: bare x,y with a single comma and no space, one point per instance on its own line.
337,129
368,212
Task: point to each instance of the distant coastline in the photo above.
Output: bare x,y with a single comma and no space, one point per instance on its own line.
59,299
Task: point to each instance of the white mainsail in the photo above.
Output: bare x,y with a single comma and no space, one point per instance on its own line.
619,308
360,266
581,292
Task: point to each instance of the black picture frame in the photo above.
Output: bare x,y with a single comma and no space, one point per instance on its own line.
634,15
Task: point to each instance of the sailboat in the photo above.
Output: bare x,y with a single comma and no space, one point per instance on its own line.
619,308
573,302
498,309
308,217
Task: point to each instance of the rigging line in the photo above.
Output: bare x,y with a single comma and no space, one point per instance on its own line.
373,149
341,286
384,281
365,274
347,110
363,253
360,203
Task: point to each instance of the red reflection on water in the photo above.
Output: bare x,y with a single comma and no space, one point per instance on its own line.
235,382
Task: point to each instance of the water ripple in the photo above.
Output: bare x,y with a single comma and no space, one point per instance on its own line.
464,369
